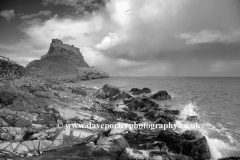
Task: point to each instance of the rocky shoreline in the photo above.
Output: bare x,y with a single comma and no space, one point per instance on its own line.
35,112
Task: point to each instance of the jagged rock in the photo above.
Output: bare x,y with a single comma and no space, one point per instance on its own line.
196,148
161,95
110,90
192,134
114,144
100,94
162,117
134,154
63,63
192,118
136,91
78,152
143,104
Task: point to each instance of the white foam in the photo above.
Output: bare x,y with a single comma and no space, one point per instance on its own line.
213,143
218,148
187,111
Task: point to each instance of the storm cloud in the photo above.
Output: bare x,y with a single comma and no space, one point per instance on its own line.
146,38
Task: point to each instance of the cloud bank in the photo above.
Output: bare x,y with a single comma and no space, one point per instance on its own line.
145,38
40,13
8,14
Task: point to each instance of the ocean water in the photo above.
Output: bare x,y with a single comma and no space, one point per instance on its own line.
216,101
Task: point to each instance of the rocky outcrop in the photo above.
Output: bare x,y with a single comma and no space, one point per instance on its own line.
134,154
44,119
190,143
64,63
107,91
136,91
10,70
161,95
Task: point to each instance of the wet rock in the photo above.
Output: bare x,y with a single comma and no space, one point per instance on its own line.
192,118
114,144
143,104
134,154
136,91
156,145
172,112
192,134
110,90
79,91
160,117
161,95
195,148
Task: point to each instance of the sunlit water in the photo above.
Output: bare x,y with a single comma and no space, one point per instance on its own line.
215,100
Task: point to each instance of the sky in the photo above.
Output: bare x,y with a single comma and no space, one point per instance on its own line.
129,37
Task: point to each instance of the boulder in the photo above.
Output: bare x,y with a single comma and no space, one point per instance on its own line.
160,117
192,118
192,134
110,90
161,95
136,91
186,144
143,104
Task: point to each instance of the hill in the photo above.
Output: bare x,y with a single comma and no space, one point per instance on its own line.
65,63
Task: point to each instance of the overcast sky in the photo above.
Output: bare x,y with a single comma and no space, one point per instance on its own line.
129,37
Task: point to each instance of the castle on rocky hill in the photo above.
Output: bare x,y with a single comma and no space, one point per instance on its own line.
57,43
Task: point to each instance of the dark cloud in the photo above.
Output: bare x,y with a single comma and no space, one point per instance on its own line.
80,6
8,14
40,13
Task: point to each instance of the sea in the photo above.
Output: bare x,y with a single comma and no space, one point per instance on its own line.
215,100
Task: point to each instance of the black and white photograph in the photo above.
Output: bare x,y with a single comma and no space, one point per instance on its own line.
120,80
